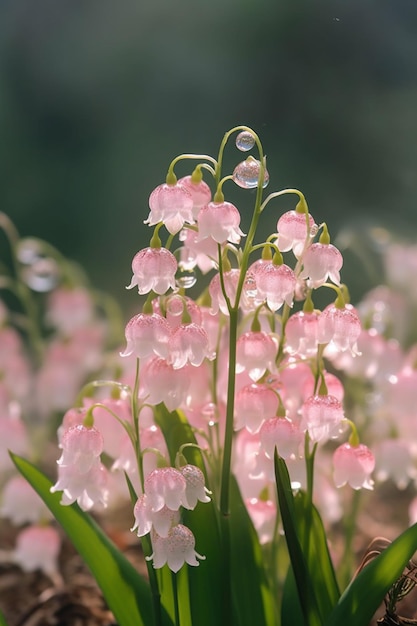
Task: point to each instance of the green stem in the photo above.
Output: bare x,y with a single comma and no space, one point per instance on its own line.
175,594
135,416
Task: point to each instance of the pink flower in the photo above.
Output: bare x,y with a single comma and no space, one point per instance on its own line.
218,301
160,382
153,270
172,205
199,191
146,519
301,334
195,488
188,344
340,327
275,284
81,446
254,404
13,436
87,488
166,487
292,231
220,221
280,433
147,335
320,262
20,502
175,549
353,465
37,548
263,514
69,309
255,353
321,417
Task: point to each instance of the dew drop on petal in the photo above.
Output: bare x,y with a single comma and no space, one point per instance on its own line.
246,174
185,278
175,306
42,276
245,141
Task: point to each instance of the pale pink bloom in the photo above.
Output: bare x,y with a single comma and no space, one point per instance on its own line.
11,343
340,327
57,384
166,486
21,504
172,205
145,518
275,284
326,496
280,433
320,262
202,254
353,465
254,404
175,549
160,382
69,309
211,324
218,301
153,270
87,488
292,231
255,353
198,391
263,514
72,417
333,384
220,221
301,334
200,192
147,335
252,479
195,486
188,344
322,417
109,425
37,548
290,384
13,436
16,374
81,447
395,461
250,295
387,311
401,393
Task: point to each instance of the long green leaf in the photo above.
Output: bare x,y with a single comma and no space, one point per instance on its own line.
126,592
2,619
251,593
206,582
298,561
366,592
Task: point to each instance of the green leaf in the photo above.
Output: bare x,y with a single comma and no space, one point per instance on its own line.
2,619
319,563
291,612
366,592
206,582
126,592
252,596
302,575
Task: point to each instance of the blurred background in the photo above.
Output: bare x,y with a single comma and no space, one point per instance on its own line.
97,97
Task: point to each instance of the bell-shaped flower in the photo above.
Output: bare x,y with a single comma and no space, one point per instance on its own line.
81,447
20,502
188,344
13,435
353,465
166,486
195,489
294,230
255,353
69,309
146,519
87,488
153,270
394,460
198,190
193,252
160,382
254,404
280,433
37,548
321,417
340,327
220,221
275,284
175,549
147,335
301,334
172,205
320,262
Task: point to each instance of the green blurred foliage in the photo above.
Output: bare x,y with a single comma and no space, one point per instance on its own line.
97,96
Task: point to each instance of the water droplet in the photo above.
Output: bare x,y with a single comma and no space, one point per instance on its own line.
42,276
246,174
186,279
245,141
175,306
250,287
314,229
